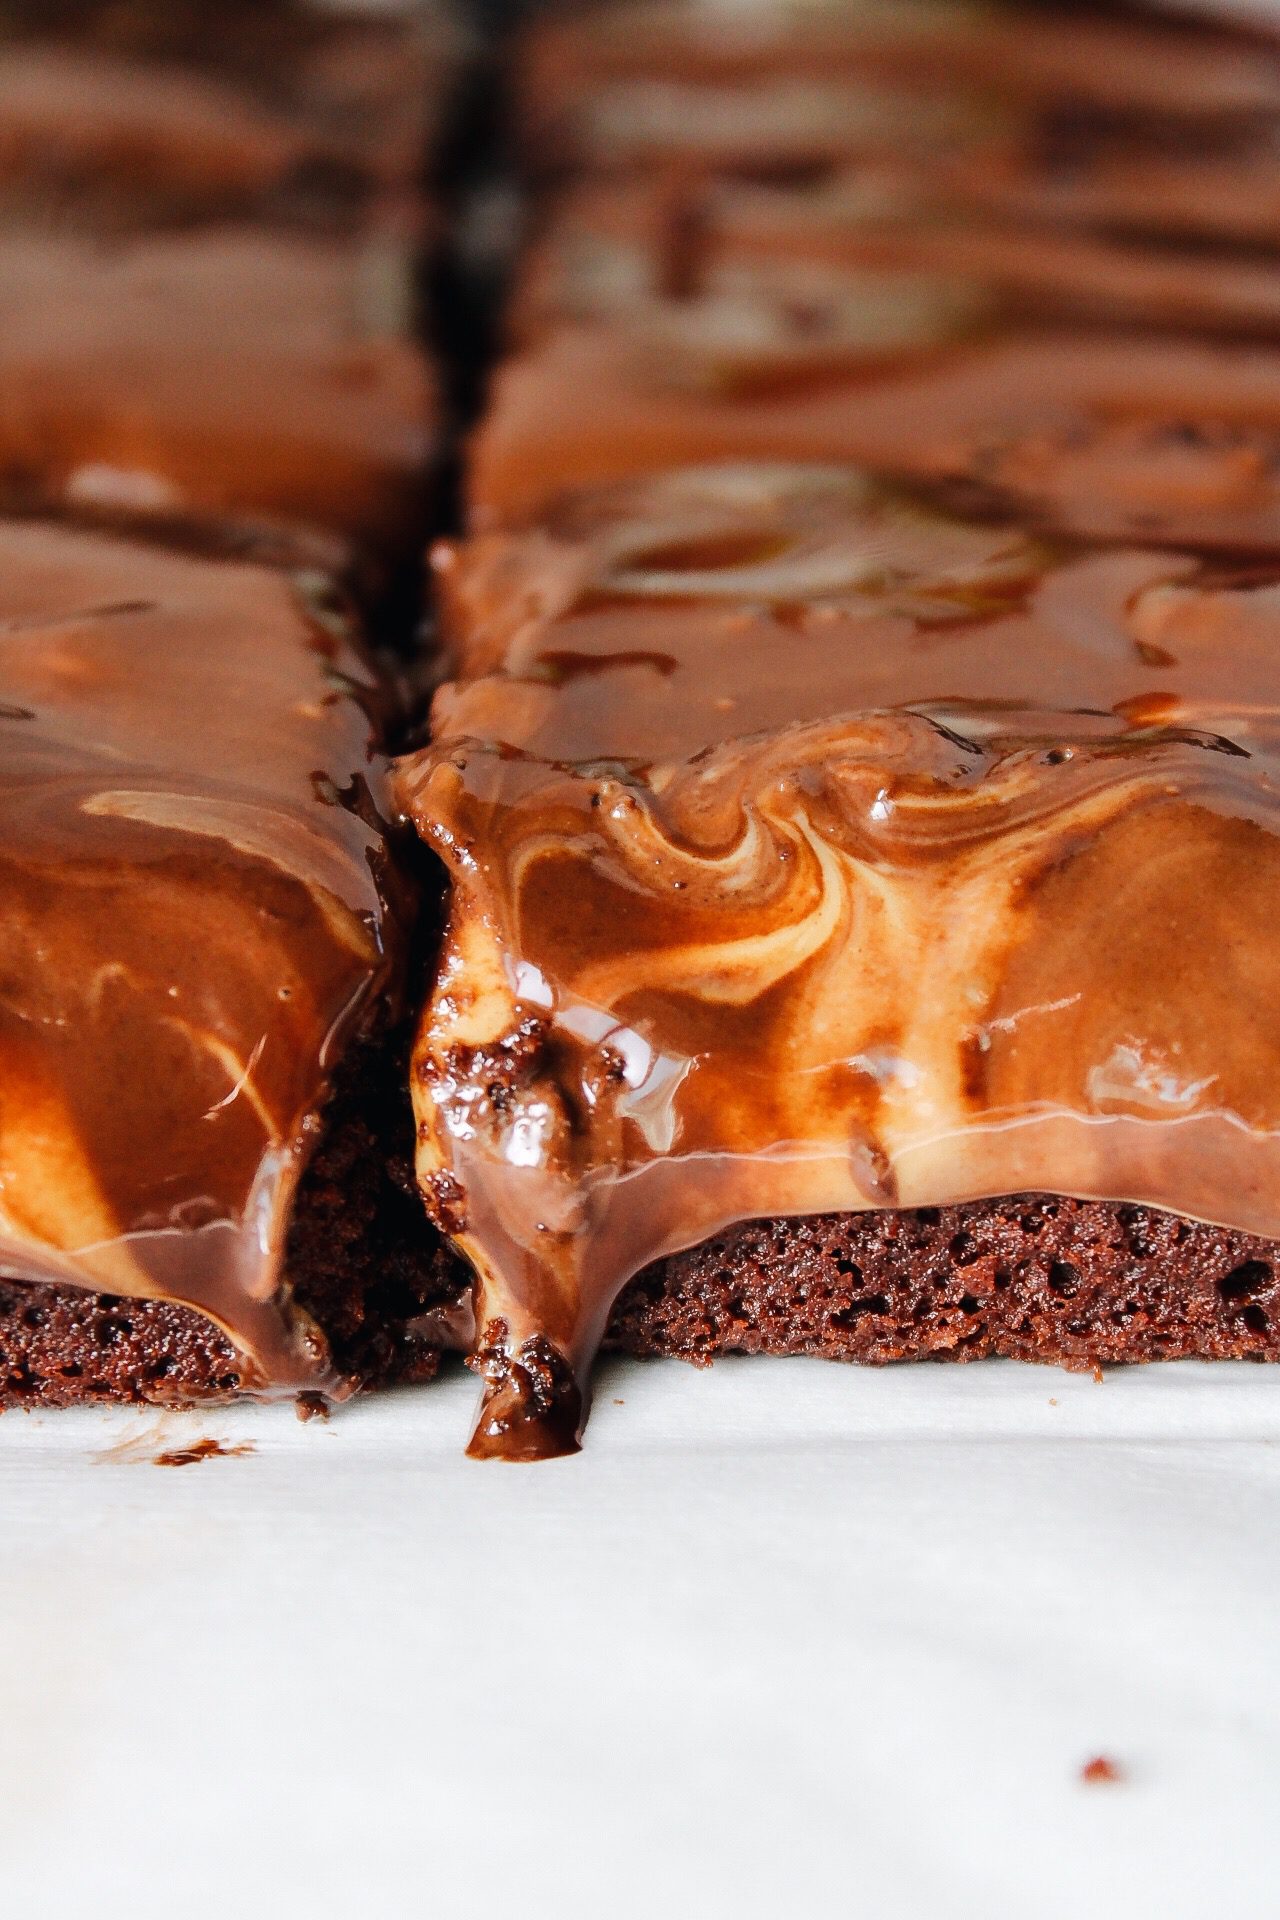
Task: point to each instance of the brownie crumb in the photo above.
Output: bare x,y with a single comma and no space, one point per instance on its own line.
202,1450
962,1282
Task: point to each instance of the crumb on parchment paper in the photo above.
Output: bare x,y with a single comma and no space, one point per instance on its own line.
202,1450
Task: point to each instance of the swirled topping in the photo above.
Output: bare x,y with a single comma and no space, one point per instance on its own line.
754,326
782,122
809,849
588,405
312,411
760,323
878,238
1125,66
192,865
759,534
1136,479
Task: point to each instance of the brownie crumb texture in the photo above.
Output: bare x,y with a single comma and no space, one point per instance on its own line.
1032,1278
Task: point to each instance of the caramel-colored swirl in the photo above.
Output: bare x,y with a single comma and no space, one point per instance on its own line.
192,870
593,404
1058,56
310,410
616,248
812,850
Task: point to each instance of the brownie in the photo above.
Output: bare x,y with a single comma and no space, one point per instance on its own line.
1039,1278
1041,114
139,115
608,246
1079,1284
1118,435
1065,56
206,914
357,1263
229,379
856,775
807,841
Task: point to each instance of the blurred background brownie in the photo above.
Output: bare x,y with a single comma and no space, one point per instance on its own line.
276,109
257,382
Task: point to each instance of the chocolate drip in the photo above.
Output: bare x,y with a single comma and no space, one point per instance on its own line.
532,1407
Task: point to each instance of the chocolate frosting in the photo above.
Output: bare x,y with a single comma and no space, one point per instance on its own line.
1111,435
612,244
305,407
1129,66
192,865
813,849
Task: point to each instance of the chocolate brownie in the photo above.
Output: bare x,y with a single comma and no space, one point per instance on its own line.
1072,56
206,913
613,244
237,379
357,1263
837,850
1107,434
1079,1283
1073,1283
808,843
138,115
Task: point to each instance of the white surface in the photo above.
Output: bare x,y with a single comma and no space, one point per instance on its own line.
785,1640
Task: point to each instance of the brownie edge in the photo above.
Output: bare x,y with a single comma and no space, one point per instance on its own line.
1079,1283
361,1262
1076,1283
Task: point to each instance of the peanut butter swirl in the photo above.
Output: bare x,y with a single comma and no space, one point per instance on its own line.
814,850
192,876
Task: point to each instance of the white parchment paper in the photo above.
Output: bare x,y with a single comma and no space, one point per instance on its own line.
785,1639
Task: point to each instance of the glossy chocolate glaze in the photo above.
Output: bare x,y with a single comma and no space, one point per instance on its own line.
196,918
1126,65
1113,435
813,850
230,377
179,112
613,243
